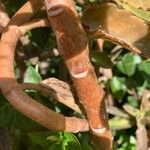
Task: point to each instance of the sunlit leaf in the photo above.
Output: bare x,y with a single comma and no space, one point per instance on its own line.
32,76
118,87
71,142
118,123
133,101
128,64
143,14
143,4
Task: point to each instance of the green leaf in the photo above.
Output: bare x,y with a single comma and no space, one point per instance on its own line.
125,140
118,87
143,14
71,142
101,59
2,100
10,117
128,64
23,123
85,141
143,4
53,141
118,123
133,101
32,76
145,67
92,1
17,139
87,147
40,138
55,146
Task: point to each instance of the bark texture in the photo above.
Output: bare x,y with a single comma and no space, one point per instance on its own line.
73,46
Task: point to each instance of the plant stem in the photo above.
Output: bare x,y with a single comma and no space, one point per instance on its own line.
73,46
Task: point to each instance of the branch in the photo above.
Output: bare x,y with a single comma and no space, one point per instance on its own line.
102,34
61,92
142,138
73,46
25,13
34,24
117,112
13,92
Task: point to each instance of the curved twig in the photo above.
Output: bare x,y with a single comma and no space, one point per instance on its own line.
25,13
34,24
14,94
102,34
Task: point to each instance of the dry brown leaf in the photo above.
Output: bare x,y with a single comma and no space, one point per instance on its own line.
119,23
62,91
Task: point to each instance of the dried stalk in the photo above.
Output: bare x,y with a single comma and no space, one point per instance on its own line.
73,46
100,44
13,92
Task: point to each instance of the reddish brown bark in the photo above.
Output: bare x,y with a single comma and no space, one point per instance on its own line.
73,45
13,92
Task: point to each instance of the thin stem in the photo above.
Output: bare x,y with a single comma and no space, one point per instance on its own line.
34,24
102,34
24,14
